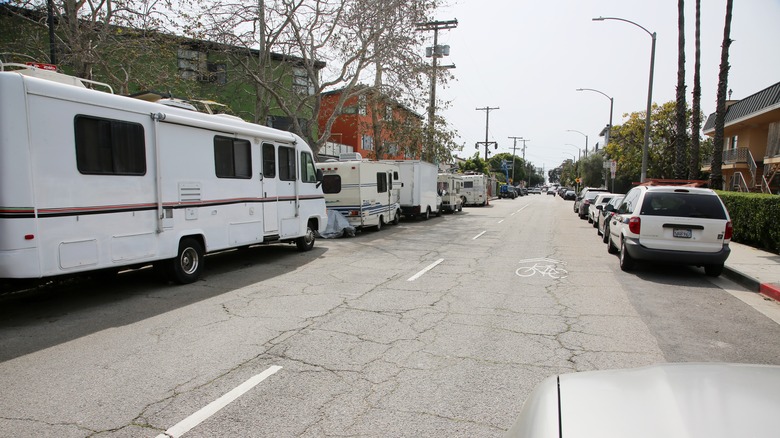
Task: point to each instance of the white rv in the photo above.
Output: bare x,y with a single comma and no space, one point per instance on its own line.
418,188
90,180
450,188
366,193
475,188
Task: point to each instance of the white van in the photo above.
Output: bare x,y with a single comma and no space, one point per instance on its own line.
94,181
365,192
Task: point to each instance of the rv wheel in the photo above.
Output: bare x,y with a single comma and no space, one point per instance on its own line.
397,218
380,223
188,264
427,213
306,242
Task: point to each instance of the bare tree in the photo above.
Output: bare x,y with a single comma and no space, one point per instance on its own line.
682,129
716,176
694,167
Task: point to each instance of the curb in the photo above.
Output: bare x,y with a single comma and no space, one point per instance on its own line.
767,289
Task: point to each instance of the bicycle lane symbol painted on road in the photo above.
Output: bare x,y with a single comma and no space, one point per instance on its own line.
543,267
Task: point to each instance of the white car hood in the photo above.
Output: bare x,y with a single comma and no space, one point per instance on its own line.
670,400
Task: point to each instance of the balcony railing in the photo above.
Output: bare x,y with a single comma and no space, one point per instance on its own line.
738,155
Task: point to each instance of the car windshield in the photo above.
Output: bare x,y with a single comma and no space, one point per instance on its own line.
682,205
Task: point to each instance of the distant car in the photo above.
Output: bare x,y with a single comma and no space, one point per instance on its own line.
569,195
507,191
600,200
551,192
581,195
535,191
605,214
686,225
585,201
713,400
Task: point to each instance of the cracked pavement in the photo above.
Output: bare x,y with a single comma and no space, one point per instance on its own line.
364,351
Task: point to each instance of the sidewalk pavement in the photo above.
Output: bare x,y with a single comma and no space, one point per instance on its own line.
757,270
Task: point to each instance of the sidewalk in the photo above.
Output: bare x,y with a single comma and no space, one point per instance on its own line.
757,270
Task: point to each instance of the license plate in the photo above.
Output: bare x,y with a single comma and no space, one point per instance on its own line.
684,233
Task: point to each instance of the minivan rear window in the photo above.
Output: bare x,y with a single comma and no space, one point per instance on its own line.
683,205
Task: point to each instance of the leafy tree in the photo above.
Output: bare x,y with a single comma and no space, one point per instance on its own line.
517,174
593,169
474,164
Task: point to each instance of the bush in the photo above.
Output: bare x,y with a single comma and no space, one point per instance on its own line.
755,219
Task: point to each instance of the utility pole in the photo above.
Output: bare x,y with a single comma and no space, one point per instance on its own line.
434,53
514,147
487,143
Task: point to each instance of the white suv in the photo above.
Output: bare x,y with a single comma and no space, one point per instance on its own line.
671,224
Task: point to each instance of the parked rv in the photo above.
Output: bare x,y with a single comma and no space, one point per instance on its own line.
418,188
450,186
366,192
475,188
92,181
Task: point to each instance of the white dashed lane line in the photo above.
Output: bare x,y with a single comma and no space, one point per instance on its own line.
426,269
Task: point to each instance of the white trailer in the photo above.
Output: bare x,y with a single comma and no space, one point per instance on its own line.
90,181
365,192
475,188
418,190
450,188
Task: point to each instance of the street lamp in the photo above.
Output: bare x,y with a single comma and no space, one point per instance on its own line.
649,93
578,148
611,104
584,135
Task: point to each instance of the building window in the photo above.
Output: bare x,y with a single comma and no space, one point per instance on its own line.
392,148
733,142
368,143
232,158
286,163
109,147
389,112
192,64
362,104
302,83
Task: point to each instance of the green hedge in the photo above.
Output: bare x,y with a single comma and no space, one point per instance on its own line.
756,219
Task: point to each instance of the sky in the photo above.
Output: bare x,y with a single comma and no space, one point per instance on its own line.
528,57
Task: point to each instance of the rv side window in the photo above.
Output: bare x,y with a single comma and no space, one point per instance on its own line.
331,184
109,147
395,176
308,174
232,158
468,184
286,163
269,161
381,182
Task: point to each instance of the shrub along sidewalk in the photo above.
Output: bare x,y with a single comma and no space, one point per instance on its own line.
756,219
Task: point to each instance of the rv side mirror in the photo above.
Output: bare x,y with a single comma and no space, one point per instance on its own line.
318,176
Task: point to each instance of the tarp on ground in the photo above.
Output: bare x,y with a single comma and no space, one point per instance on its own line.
338,226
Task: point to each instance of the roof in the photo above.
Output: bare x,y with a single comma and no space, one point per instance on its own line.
768,98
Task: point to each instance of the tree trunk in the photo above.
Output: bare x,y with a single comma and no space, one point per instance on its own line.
695,165
682,128
376,114
716,177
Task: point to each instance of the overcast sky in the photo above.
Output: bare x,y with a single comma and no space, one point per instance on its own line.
528,57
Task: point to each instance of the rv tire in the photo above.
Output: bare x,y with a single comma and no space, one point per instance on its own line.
188,264
427,213
397,218
379,224
306,242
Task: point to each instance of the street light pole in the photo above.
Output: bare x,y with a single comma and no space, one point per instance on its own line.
646,145
586,139
611,104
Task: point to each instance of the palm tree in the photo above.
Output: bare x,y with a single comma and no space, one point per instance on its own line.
716,177
682,129
694,167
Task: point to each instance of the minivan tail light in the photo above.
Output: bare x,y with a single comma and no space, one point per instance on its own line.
729,231
634,224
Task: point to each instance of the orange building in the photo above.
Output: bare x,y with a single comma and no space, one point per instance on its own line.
401,128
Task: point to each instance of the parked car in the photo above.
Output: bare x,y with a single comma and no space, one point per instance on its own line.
605,214
600,200
713,400
581,195
586,200
569,195
507,191
535,191
551,191
686,225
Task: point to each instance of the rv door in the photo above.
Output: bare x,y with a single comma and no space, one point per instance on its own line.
268,187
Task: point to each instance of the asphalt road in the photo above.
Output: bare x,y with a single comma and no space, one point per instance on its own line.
430,328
